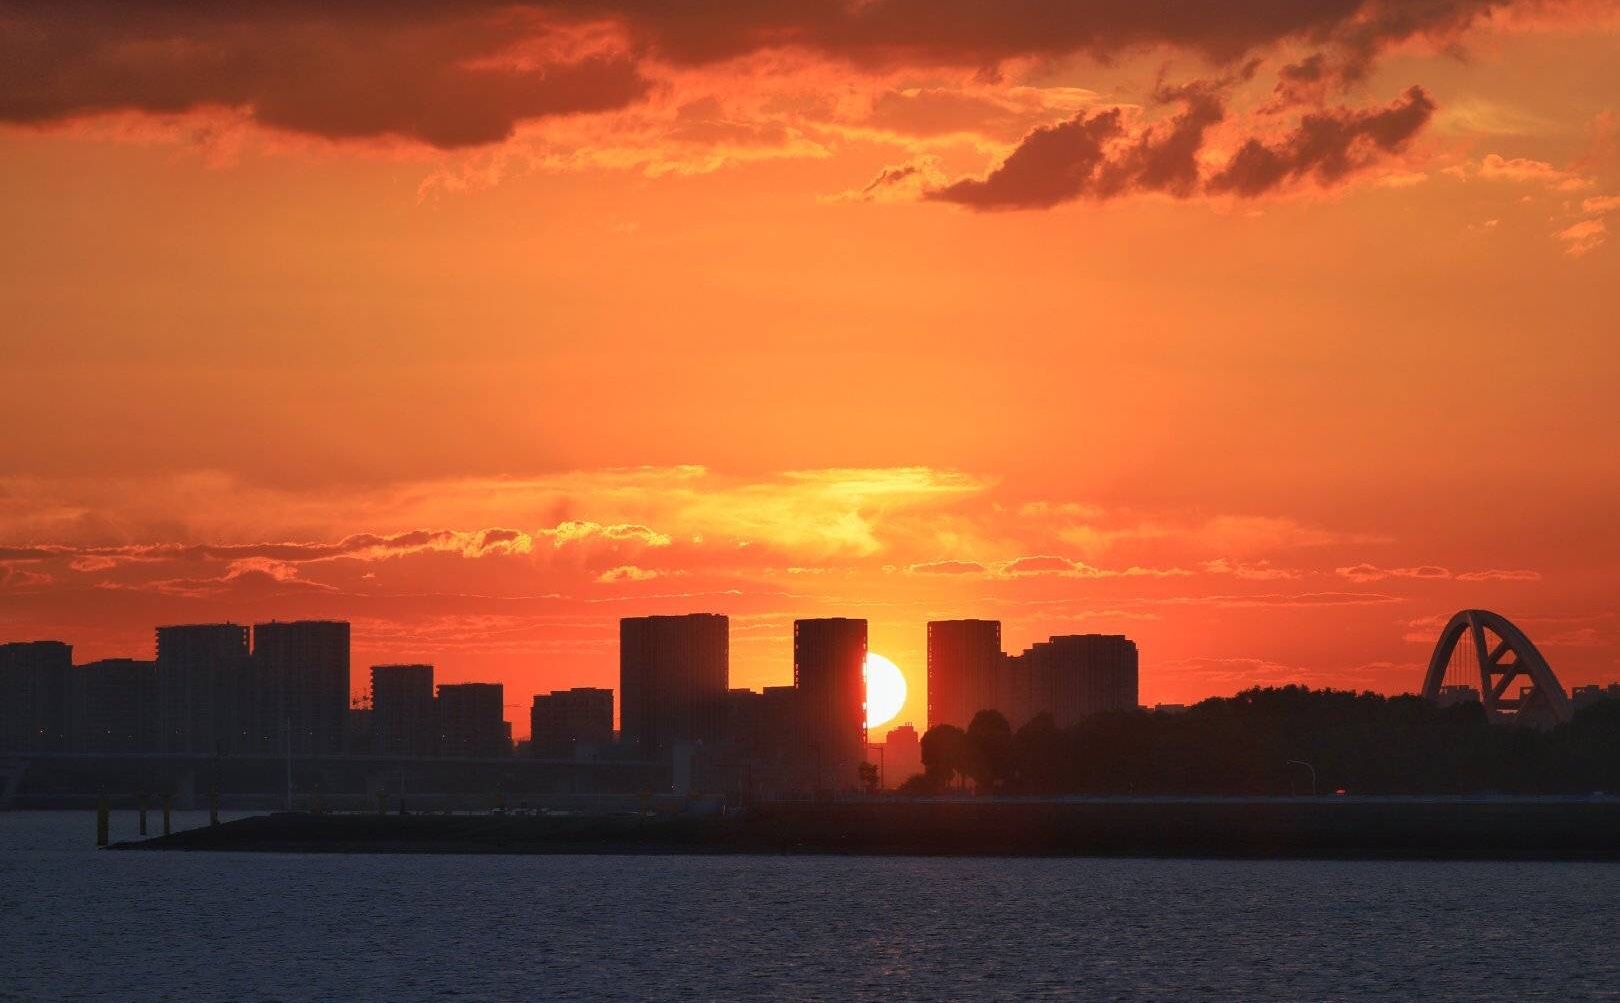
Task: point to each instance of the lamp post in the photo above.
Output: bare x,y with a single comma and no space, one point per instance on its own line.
881,748
1308,766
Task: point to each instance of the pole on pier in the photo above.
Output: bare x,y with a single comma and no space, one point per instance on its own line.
382,802
141,802
213,805
102,810
168,804
287,735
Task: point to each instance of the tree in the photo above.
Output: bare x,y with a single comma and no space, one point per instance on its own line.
990,750
869,777
1038,756
944,753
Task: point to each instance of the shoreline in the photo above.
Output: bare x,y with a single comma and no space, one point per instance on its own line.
1287,829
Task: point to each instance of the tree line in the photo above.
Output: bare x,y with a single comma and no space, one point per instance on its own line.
1271,741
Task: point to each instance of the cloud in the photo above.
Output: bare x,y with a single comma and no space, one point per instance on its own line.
1580,237
1100,155
898,183
463,74
13,577
281,571
947,568
1256,571
446,75
1048,564
1042,565
1584,237
627,573
1301,599
1361,573
472,544
1494,575
1095,155
1328,146
1495,167
250,579
579,532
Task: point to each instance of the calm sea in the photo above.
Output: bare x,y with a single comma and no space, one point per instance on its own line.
77,924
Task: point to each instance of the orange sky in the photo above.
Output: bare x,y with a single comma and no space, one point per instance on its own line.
1269,340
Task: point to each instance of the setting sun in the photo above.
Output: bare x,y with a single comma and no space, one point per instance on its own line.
885,690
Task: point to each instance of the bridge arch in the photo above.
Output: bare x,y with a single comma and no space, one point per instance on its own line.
1505,655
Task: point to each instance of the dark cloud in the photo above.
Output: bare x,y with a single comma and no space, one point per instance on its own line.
1304,82
444,74
1054,164
1306,71
1328,145
976,33
1165,158
455,74
891,176
1094,156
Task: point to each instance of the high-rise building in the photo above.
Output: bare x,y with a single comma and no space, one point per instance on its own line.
1075,676
1584,696
902,755
210,697
472,721
34,695
358,733
781,721
306,670
114,708
402,711
964,670
829,658
673,672
563,721
743,720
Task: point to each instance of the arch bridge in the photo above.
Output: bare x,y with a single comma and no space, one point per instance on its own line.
1482,649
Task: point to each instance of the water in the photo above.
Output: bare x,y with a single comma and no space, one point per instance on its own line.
76,924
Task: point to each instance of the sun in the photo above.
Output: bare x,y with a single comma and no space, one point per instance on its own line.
885,690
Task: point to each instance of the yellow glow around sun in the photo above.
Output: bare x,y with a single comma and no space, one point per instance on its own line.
885,690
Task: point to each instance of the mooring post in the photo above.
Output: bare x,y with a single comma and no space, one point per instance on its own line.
141,807
102,810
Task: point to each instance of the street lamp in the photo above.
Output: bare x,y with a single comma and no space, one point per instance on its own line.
1308,766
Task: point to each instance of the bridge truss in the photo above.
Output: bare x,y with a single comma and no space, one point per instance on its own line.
1504,656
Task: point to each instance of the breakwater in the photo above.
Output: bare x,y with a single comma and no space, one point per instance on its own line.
1505,829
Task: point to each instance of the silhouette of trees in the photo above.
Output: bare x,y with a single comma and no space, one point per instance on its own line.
871,778
1364,743
944,756
989,760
